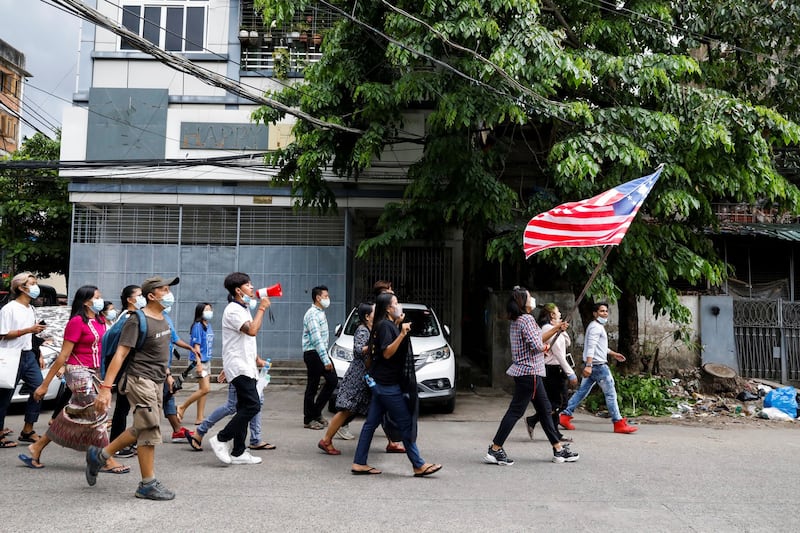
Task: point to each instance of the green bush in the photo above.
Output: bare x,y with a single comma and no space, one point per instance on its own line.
636,395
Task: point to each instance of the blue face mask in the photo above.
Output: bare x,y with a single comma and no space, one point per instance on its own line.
168,300
602,320
252,303
98,304
111,315
140,302
34,291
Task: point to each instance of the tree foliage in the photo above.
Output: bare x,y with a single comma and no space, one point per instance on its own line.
577,96
35,212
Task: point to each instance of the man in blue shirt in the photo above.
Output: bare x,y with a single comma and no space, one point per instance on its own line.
318,364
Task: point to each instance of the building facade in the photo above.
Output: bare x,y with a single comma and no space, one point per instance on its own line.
12,82
180,186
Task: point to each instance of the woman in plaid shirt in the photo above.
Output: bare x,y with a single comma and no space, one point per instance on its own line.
528,346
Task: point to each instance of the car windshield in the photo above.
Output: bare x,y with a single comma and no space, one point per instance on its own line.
423,323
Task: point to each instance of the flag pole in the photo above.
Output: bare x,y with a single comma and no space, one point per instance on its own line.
591,280
585,288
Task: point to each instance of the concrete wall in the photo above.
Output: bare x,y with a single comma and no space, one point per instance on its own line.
654,333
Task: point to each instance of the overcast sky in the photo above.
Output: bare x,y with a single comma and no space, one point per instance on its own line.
49,38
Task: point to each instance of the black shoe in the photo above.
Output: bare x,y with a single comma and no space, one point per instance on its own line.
497,457
565,455
126,452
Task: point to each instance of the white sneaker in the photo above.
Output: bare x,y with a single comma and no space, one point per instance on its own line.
344,433
245,459
220,450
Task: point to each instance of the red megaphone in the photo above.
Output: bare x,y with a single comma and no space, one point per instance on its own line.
273,291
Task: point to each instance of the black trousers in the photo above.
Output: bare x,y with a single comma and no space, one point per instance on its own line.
312,407
119,421
247,406
555,385
527,389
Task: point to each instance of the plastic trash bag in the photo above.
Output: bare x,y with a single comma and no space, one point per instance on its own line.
784,398
773,413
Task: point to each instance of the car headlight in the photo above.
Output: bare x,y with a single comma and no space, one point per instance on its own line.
430,356
343,354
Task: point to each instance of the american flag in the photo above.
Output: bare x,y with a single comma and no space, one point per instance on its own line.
598,221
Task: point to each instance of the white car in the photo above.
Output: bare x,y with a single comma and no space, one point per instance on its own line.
49,353
434,358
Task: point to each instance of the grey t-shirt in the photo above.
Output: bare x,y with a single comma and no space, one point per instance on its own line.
151,361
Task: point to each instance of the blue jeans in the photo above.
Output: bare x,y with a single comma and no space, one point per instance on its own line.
229,409
387,398
29,372
601,375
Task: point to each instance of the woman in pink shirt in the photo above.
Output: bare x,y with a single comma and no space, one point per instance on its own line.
78,425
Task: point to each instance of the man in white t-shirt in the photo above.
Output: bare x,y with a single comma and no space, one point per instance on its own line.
239,329
17,326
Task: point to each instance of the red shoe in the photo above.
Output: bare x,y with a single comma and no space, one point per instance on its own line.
565,421
395,447
621,426
328,448
181,435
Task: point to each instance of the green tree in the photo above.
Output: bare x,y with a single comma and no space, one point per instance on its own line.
531,104
35,212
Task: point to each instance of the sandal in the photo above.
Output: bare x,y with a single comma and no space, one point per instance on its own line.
30,436
5,443
328,448
6,432
194,442
30,462
430,469
119,469
262,446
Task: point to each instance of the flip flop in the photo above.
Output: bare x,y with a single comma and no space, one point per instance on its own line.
31,436
262,446
194,443
6,432
119,469
30,462
432,469
5,443
371,471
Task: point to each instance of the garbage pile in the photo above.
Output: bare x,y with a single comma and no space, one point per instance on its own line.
753,399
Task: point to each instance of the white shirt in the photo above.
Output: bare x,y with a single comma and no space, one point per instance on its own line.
15,316
558,350
595,343
239,350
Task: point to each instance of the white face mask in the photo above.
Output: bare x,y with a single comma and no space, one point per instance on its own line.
531,302
325,302
397,311
111,315
602,320
141,302
208,315
252,303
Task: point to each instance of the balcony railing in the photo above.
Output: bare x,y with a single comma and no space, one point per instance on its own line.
262,59
747,214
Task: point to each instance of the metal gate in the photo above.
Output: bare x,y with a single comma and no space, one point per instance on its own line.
418,274
767,336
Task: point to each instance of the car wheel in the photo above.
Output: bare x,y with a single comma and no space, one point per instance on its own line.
449,406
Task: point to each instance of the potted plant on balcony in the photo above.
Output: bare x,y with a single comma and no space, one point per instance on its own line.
280,58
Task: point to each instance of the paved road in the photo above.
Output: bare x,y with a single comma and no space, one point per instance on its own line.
664,478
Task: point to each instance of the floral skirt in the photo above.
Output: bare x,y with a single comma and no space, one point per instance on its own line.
78,425
354,394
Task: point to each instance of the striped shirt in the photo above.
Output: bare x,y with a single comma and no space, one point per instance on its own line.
315,333
527,348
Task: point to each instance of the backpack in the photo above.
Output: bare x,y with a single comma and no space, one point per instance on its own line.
111,341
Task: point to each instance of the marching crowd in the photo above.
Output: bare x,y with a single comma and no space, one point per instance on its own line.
379,384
